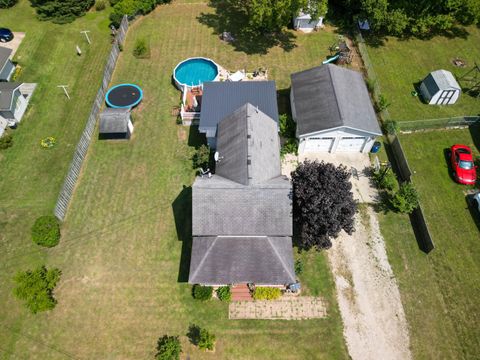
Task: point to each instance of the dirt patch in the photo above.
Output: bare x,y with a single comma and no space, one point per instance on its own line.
374,321
182,134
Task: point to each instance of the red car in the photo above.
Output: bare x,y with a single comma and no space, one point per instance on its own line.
464,170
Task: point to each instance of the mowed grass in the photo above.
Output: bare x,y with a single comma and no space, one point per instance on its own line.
122,255
31,177
400,64
440,291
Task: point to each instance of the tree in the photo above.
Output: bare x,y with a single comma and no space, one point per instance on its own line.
61,11
206,340
405,200
323,203
7,3
201,157
168,348
36,288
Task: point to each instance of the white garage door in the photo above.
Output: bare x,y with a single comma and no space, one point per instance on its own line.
351,144
317,144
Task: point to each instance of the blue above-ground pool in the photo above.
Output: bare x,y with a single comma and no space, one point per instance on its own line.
195,71
124,96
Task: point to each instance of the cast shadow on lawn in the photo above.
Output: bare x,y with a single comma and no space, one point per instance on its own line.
196,138
230,17
473,208
475,134
194,334
182,212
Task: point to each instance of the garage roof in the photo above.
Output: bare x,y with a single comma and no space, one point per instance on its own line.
330,96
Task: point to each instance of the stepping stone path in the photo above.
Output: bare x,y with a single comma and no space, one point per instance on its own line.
286,308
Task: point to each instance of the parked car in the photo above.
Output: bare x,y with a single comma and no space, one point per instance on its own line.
464,169
476,201
6,35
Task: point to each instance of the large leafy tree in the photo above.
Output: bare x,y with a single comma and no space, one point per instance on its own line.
7,3
273,15
323,203
61,11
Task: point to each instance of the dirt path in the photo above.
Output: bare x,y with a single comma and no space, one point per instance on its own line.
373,317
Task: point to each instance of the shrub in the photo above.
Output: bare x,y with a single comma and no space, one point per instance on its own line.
36,288
46,231
299,267
206,340
7,3
100,5
18,71
386,180
290,147
224,294
391,127
405,200
201,158
382,103
6,141
370,84
287,126
141,49
168,348
202,293
266,293
61,11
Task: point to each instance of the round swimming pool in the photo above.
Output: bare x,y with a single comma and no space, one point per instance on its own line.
124,96
195,71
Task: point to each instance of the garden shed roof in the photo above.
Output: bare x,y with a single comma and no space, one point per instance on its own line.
440,80
113,121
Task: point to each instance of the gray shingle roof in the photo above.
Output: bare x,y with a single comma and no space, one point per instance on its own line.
114,121
4,56
249,147
233,260
330,96
436,81
7,89
220,99
223,207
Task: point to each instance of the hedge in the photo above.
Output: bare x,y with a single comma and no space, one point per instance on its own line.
46,231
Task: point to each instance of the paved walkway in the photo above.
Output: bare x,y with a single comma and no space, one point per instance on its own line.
286,308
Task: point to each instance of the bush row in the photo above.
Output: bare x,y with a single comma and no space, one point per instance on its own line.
403,198
132,8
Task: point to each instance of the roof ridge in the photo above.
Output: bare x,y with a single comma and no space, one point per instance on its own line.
280,258
205,256
248,142
336,97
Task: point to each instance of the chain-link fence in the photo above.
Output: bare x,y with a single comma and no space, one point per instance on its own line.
442,123
82,147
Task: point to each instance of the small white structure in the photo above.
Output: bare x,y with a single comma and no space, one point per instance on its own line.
305,23
440,88
237,76
333,111
12,103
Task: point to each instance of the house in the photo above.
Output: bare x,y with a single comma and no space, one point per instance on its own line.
242,215
305,23
440,88
6,65
220,99
115,123
12,103
333,111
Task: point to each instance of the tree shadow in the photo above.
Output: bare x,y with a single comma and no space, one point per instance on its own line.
182,212
193,334
230,16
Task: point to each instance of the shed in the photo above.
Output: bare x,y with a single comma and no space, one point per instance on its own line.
305,23
440,88
7,67
115,124
333,110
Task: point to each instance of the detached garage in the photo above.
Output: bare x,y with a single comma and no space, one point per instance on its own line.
440,88
305,23
333,111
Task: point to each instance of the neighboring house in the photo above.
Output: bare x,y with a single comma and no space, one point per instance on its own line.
333,111
12,103
440,88
6,65
115,124
220,99
305,23
242,215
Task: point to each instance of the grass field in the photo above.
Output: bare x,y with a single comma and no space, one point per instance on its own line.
440,291
400,64
121,253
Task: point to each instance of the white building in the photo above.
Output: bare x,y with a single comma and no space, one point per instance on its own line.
12,104
440,88
333,111
305,23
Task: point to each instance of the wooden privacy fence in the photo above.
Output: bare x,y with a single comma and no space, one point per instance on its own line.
70,181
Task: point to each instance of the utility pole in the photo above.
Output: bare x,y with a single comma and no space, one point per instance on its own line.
85,32
64,87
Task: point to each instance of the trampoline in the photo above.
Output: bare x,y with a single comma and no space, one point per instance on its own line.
124,96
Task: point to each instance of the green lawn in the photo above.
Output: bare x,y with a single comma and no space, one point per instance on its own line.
440,291
400,64
121,250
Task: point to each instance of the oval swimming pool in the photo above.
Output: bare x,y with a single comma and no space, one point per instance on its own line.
195,71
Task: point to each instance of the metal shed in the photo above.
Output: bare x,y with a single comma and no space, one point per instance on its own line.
115,124
440,88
